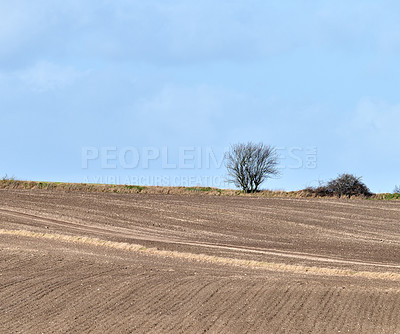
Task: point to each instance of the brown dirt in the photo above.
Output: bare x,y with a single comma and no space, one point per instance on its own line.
78,262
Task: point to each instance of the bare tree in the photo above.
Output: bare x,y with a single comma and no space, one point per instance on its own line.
250,164
396,189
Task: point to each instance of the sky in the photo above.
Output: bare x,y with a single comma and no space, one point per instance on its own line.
154,92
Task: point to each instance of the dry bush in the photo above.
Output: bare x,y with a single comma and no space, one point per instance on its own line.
320,191
345,185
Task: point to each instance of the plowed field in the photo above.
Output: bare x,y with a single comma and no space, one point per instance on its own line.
74,262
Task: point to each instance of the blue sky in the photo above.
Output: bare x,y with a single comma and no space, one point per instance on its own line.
187,77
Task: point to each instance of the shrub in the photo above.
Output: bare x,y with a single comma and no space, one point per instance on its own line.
348,185
320,191
344,185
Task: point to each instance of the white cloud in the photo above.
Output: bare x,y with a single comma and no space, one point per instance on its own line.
46,76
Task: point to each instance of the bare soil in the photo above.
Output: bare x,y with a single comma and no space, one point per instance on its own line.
79,262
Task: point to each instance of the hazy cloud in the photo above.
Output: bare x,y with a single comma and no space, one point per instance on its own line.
377,119
46,76
182,31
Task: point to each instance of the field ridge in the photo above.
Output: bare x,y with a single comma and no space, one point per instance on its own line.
282,267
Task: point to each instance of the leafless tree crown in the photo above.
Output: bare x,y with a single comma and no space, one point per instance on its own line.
250,164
